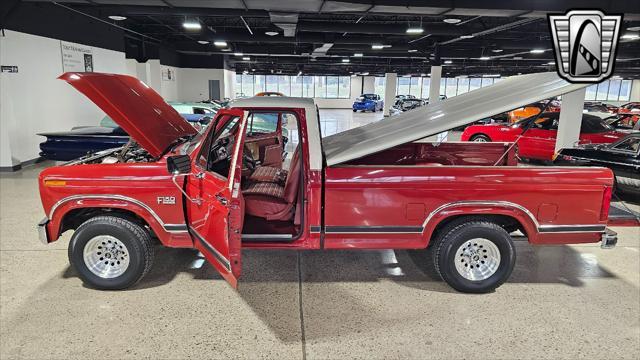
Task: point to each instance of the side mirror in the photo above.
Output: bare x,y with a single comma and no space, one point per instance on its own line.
179,164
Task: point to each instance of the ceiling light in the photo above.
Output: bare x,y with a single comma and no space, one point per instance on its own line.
448,62
238,54
415,30
485,58
299,73
630,36
491,75
345,60
466,36
357,55
497,50
245,72
550,63
364,73
271,33
537,51
412,50
203,42
452,20
377,47
423,74
220,43
517,58
117,17
246,58
226,49
191,25
635,28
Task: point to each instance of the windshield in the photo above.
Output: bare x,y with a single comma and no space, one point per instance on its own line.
368,96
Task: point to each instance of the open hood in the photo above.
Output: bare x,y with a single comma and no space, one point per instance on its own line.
136,107
508,94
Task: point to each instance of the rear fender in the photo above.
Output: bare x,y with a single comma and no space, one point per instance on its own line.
63,207
479,208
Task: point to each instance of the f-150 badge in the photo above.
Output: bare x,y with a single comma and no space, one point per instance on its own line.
585,44
167,200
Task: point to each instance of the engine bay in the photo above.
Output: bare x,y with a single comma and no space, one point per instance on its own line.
130,153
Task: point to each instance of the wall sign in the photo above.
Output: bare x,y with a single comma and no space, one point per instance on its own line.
76,57
9,69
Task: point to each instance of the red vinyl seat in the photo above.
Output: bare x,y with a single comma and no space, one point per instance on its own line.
271,200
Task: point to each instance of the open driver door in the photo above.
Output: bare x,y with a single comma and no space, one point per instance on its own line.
215,209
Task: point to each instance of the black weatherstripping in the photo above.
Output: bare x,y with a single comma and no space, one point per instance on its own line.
221,259
373,229
586,228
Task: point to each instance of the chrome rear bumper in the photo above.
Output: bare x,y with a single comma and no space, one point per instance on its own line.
42,230
609,239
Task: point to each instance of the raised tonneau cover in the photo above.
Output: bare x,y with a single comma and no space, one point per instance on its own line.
508,94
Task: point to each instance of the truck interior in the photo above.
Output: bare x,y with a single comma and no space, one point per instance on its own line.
272,172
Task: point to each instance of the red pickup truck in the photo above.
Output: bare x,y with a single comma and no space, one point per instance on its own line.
373,187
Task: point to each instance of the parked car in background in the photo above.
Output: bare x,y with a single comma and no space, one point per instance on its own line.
402,97
269,93
368,102
629,108
532,109
406,104
600,107
622,156
540,140
442,97
627,123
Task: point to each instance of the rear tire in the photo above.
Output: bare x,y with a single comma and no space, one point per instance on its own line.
480,138
473,256
111,253
354,110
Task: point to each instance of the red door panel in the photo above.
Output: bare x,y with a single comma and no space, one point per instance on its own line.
215,213
538,144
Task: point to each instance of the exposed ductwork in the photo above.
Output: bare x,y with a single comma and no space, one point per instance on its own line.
285,21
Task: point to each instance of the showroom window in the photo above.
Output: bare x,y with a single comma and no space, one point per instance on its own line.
332,87
610,90
379,84
419,86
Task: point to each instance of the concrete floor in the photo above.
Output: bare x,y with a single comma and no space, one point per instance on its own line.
561,301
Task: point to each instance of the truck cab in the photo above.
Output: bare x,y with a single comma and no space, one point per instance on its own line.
262,176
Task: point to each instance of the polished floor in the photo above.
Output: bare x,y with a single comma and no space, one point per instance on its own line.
562,302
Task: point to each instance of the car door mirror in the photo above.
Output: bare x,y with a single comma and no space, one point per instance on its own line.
179,164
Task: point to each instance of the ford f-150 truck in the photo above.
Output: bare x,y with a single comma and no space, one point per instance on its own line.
373,187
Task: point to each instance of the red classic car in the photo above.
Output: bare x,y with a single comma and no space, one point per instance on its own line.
540,140
373,187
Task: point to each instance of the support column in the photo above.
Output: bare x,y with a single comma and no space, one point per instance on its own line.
390,81
570,119
434,85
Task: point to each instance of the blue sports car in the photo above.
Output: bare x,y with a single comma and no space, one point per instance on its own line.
370,102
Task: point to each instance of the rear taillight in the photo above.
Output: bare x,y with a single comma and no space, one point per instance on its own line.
606,203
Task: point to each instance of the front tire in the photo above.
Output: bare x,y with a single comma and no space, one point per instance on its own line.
111,253
480,138
354,110
473,256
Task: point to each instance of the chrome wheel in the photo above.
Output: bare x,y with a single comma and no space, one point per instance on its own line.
106,256
479,139
477,259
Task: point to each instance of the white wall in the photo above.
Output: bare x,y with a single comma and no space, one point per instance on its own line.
193,84
33,100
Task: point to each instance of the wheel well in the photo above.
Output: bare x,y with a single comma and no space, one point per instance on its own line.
479,134
74,218
510,224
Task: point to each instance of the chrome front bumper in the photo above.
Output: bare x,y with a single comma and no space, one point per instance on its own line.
42,230
609,239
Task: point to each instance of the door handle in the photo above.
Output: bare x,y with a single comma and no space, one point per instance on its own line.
222,200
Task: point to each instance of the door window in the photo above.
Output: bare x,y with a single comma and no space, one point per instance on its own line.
218,147
263,123
631,145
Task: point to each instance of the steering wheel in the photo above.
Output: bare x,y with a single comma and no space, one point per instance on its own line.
248,161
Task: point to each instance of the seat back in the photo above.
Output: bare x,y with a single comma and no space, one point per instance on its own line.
293,177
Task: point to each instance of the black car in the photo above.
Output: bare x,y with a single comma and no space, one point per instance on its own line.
622,156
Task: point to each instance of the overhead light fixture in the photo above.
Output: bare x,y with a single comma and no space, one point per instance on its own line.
192,25
271,33
203,42
117,17
467,36
357,55
364,73
415,30
484,58
550,63
377,47
448,62
630,36
226,49
634,28
423,74
537,51
497,50
412,50
299,73
491,75
246,58
517,58
345,60
238,54
616,77
245,72
452,20
220,43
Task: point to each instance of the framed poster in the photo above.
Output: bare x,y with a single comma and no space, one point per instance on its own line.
76,57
